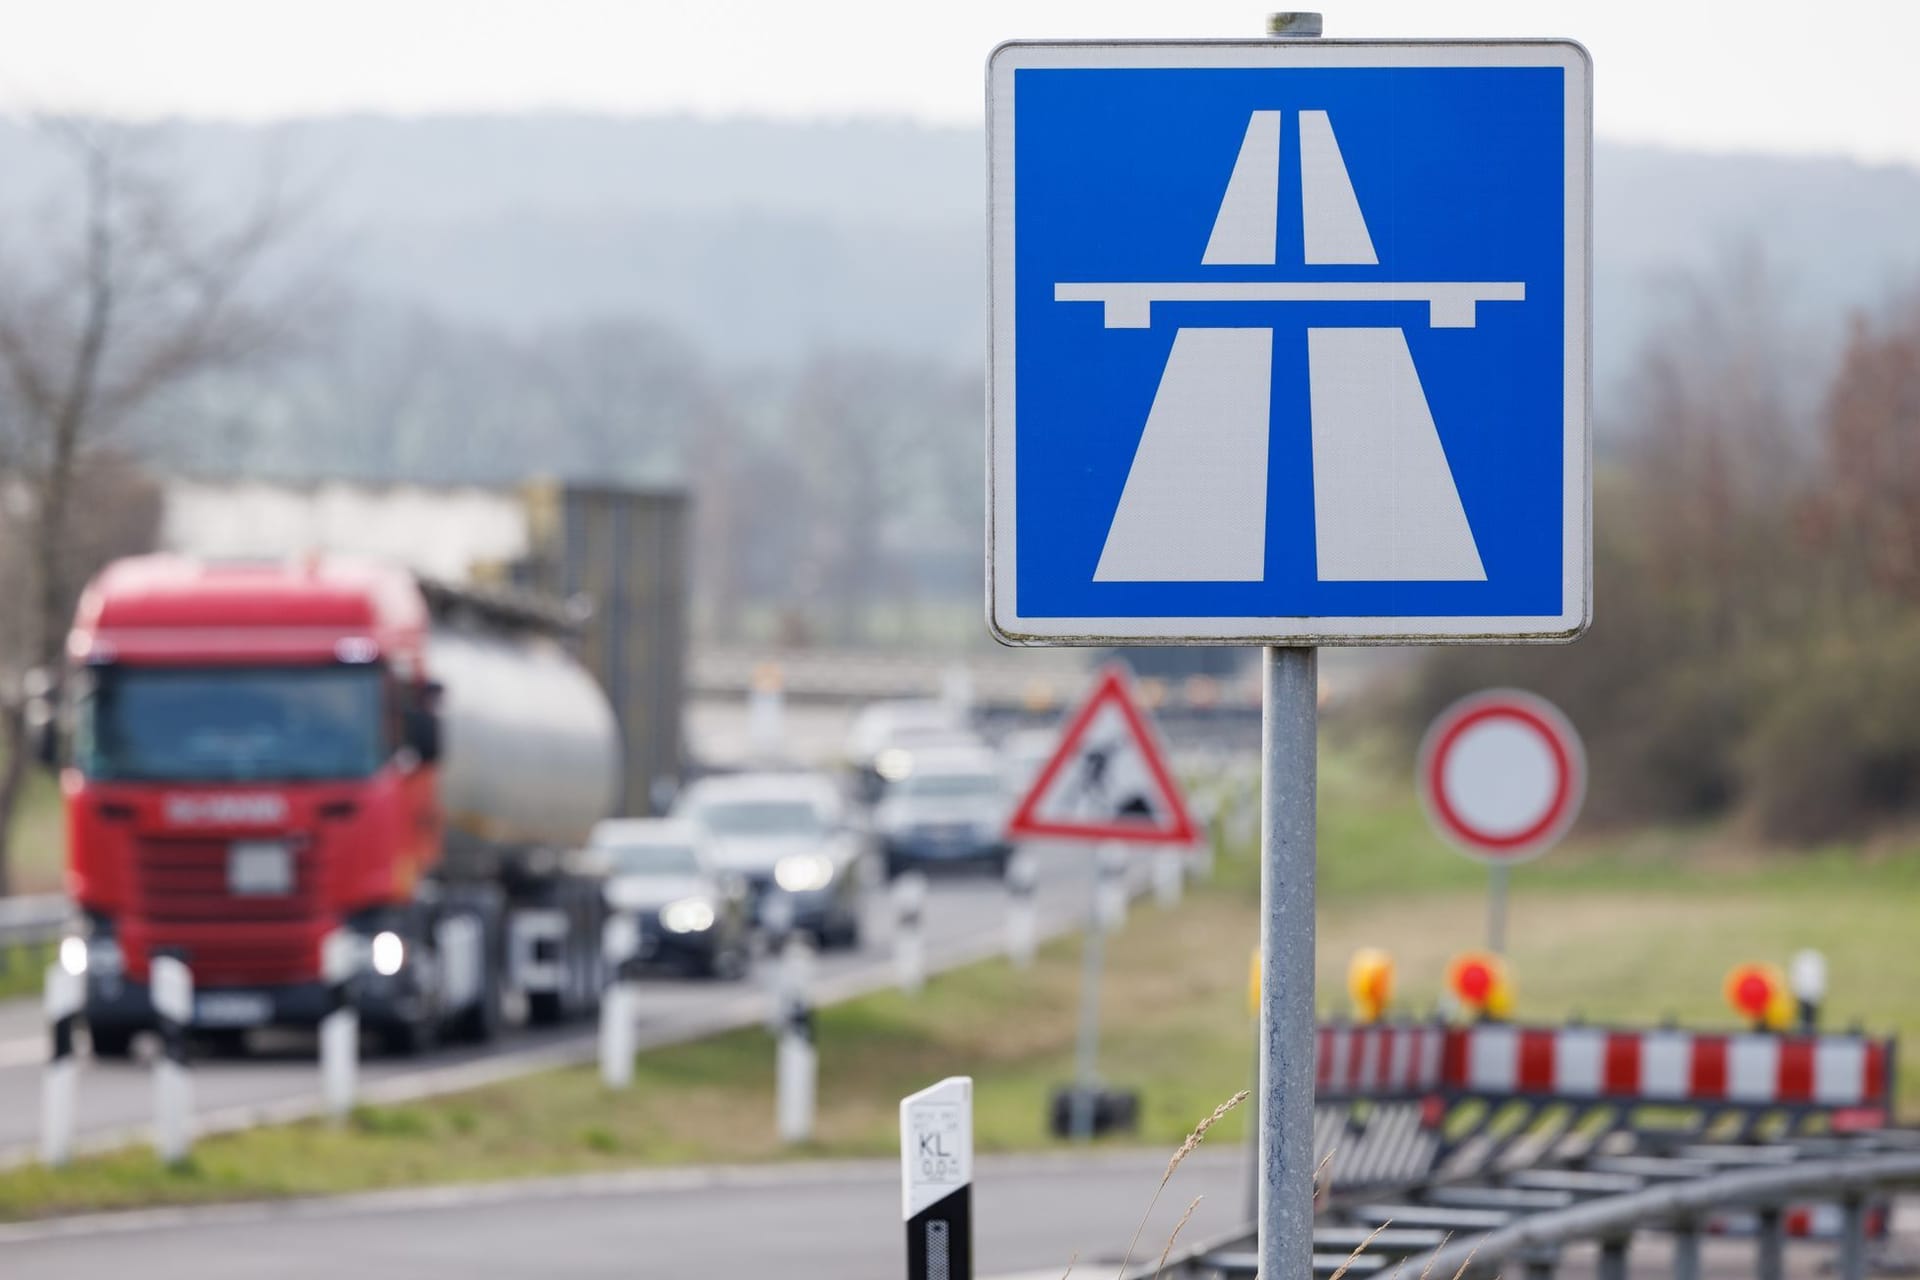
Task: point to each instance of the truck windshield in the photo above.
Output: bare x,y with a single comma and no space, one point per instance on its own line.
232,724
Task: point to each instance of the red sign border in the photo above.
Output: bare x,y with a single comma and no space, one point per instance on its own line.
1544,719
1113,685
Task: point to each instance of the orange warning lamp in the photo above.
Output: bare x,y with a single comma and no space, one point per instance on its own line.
1478,980
1758,993
1370,983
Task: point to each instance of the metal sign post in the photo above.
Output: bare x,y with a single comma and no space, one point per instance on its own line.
1289,747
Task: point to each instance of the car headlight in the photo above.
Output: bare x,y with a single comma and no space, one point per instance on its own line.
803,872
73,955
689,915
893,764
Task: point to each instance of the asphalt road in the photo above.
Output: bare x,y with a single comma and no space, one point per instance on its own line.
965,915
836,1221
825,1221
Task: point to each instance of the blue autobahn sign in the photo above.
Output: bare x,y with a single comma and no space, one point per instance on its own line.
1289,342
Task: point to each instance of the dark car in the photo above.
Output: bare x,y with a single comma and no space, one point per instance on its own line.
692,914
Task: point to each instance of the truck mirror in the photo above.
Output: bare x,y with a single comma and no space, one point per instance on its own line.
423,733
46,743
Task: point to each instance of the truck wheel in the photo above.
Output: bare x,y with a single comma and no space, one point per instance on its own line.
111,1042
411,1039
546,1008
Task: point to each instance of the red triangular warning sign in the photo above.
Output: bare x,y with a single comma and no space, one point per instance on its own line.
1108,779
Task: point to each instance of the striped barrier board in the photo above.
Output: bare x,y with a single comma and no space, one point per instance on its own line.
1670,1065
1380,1060
1846,1074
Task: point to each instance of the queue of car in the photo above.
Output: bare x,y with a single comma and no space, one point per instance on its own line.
762,853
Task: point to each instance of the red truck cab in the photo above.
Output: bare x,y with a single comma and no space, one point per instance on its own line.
252,767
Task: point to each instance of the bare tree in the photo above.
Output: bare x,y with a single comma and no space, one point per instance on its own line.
124,289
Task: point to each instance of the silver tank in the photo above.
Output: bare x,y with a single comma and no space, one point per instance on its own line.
530,753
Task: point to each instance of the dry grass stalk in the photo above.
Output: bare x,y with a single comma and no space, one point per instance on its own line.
1175,1235
1428,1270
1458,1275
1360,1249
1186,1149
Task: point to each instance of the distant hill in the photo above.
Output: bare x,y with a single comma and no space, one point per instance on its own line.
761,241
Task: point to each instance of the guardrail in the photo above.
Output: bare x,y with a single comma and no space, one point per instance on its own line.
39,919
1681,1208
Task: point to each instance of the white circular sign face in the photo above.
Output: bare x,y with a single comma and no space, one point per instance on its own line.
1502,775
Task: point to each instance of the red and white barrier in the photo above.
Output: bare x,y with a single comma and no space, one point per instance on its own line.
1668,1066
1380,1059
1830,1072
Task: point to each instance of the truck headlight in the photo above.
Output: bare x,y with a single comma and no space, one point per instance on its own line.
803,872
388,953
73,955
689,915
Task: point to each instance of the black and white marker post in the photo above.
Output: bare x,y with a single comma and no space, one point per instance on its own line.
171,983
909,932
936,1180
619,946
796,1060
342,955
1023,926
65,994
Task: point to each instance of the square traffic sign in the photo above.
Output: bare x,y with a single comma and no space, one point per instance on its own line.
1289,342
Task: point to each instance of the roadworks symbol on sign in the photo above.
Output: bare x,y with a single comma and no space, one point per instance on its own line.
1108,779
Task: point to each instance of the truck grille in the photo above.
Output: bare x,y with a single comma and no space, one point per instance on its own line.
183,880
221,961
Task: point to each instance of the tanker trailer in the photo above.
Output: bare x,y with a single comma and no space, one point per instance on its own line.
264,753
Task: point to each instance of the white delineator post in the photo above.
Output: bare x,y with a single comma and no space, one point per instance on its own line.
65,995
1808,977
796,1062
1023,926
619,944
342,955
936,1180
171,983
1169,876
767,713
909,939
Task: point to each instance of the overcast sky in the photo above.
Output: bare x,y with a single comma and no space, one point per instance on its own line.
1771,75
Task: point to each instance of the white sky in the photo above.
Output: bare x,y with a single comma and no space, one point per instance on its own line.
1770,75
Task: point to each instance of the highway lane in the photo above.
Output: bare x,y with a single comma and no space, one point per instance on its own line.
826,1221
966,915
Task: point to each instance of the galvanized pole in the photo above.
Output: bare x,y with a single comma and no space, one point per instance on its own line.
1289,749
1087,1053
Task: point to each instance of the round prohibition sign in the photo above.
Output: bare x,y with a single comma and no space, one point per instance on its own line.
1502,775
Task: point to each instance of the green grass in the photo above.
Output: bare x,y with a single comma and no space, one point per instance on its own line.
1615,929
39,842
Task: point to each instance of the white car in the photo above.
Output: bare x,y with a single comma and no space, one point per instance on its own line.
691,913
948,806
788,835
